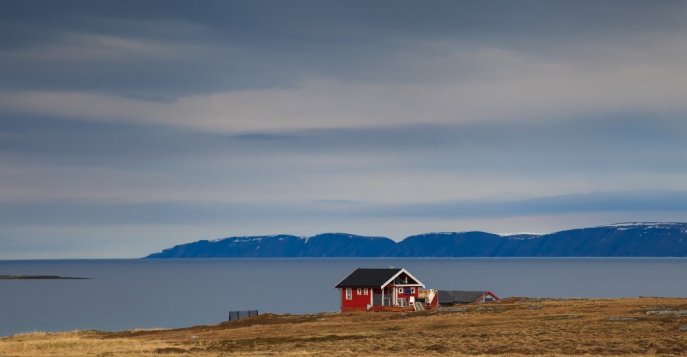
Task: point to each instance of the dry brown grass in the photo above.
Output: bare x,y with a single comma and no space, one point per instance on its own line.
514,327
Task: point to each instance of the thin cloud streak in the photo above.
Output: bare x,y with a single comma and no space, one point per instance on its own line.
69,213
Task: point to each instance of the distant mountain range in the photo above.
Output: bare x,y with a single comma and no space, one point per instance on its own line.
617,240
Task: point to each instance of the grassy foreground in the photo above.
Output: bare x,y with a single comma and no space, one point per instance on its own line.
516,326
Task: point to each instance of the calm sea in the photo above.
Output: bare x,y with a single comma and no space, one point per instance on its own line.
126,294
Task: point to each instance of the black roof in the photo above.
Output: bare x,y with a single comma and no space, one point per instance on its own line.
362,277
459,296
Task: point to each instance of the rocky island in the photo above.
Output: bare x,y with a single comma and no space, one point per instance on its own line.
37,277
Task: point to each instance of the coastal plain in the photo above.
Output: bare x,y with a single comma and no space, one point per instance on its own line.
513,326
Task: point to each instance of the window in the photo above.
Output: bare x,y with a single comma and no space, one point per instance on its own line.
358,291
349,294
400,290
365,291
412,290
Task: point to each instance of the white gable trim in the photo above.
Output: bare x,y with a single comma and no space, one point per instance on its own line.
399,273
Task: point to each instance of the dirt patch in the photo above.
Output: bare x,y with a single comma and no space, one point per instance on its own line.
170,350
277,342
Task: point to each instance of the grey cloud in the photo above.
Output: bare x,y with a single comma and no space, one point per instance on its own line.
71,213
216,45
272,19
637,143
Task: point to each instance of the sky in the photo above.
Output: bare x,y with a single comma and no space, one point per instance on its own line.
130,126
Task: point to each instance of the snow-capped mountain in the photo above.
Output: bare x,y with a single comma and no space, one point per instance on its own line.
634,239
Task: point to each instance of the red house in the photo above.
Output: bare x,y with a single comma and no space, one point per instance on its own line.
384,289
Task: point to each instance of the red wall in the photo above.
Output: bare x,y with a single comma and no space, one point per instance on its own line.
358,302
435,301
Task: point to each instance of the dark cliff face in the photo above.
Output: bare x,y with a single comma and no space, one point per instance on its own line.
347,245
467,244
621,240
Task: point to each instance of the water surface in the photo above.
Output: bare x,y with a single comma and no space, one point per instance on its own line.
126,294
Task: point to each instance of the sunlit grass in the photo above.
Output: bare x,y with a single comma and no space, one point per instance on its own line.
514,327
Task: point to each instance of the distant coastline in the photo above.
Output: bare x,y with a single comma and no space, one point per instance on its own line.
644,239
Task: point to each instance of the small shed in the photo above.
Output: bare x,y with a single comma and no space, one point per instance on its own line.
454,297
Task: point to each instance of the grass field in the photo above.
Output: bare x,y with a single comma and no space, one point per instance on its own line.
517,326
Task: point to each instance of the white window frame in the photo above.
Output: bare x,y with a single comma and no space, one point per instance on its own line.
365,292
349,294
412,290
400,290
358,291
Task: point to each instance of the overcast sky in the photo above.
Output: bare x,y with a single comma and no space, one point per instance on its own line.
130,126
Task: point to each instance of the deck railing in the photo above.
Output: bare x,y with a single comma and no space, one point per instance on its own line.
238,315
